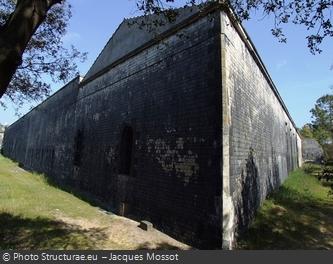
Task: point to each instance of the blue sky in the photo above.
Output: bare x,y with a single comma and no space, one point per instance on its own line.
300,77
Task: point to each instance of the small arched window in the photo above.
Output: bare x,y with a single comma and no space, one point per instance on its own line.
126,151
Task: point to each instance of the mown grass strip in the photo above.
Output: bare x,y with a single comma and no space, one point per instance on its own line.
297,216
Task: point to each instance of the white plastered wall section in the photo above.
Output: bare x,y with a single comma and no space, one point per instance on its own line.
299,148
228,213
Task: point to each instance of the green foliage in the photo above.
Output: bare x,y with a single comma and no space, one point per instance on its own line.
321,127
328,152
322,135
322,124
306,131
310,168
44,56
323,113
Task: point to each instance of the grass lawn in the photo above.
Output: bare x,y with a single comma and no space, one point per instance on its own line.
297,216
35,215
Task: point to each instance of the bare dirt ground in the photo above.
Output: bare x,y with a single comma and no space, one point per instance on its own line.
122,233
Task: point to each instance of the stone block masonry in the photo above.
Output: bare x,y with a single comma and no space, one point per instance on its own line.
261,144
167,127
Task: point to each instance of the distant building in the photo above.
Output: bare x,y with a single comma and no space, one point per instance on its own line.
182,127
311,150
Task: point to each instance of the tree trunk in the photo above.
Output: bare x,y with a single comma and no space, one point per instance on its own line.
16,33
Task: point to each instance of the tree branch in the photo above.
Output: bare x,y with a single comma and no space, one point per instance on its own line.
16,33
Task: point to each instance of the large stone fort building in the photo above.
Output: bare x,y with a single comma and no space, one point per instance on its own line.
181,126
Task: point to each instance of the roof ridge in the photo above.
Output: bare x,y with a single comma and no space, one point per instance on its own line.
150,28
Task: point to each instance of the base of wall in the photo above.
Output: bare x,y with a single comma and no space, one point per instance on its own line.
228,222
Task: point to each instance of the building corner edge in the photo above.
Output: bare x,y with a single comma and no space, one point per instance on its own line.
228,209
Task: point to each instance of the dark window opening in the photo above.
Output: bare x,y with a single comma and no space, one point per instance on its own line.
126,149
78,147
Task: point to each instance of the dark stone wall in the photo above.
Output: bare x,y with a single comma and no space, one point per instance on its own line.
144,137
42,140
169,96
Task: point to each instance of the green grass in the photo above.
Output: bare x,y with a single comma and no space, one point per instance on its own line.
297,216
32,213
36,215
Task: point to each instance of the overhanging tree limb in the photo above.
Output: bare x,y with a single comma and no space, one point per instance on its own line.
16,33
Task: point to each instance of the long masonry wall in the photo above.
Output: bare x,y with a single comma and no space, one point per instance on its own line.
263,142
143,137
42,140
188,132
168,95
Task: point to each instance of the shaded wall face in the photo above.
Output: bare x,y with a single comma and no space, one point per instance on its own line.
143,138
42,140
263,141
168,97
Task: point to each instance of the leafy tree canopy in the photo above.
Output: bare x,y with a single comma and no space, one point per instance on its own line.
321,127
323,113
45,55
306,131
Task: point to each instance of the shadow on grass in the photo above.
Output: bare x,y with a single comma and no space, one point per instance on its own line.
81,194
40,233
312,168
19,233
291,220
